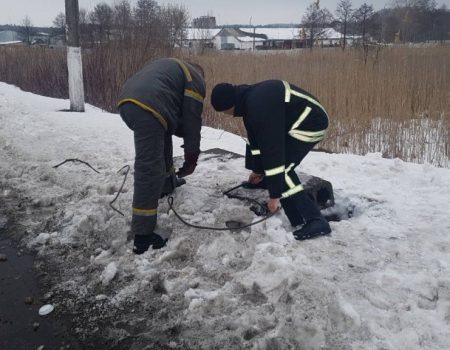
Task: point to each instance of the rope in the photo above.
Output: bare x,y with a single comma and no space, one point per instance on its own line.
120,190
121,187
76,160
263,208
234,224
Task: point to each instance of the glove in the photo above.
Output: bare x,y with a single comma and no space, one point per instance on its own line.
190,162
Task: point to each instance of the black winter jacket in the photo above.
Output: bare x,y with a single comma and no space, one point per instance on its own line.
270,110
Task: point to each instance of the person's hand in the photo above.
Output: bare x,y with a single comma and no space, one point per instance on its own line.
186,169
255,178
189,165
273,204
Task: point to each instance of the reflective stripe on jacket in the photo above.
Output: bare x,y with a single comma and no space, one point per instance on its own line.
173,91
273,111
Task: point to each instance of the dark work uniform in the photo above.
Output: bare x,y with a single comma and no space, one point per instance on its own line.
164,98
283,124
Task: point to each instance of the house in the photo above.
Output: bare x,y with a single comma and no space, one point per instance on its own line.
329,37
260,38
200,38
238,39
40,38
263,38
281,38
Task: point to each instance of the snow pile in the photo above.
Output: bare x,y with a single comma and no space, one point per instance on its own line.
380,281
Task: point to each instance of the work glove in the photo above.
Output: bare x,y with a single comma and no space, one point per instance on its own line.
190,162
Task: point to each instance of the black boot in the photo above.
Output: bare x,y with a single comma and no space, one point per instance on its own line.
158,241
315,224
313,228
171,182
142,243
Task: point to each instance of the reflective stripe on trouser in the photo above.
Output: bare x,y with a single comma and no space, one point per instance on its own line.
152,149
296,203
292,182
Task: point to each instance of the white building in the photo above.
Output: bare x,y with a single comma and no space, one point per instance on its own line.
201,37
262,38
238,39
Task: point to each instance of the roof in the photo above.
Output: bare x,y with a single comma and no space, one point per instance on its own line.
10,42
261,34
329,33
202,33
277,33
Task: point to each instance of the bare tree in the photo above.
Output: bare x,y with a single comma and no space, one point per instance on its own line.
344,12
123,20
102,21
362,15
441,24
415,19
59,24
86,33
315,20
145,13
175,19
60,21
27,30
147,22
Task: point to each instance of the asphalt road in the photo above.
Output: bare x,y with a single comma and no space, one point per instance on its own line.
21,296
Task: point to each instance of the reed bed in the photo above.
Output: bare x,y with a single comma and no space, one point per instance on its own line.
393,100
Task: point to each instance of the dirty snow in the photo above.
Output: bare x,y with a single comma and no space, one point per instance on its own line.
380,281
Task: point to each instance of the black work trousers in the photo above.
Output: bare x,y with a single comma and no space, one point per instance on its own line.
153,163
298,207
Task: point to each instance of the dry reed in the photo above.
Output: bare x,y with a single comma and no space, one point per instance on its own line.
395,101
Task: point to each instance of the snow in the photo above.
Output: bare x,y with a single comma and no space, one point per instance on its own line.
330,33
276,33
10,42
201,33
108,273
380,281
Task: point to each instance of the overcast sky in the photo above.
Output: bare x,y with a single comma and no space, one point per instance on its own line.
43,12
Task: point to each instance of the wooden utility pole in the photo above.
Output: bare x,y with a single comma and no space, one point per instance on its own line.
74,65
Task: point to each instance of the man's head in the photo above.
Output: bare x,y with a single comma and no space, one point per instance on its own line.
223,98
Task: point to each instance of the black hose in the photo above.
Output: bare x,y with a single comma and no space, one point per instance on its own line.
120,190
238,226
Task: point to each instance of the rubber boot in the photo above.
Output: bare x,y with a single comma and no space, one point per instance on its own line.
315,224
